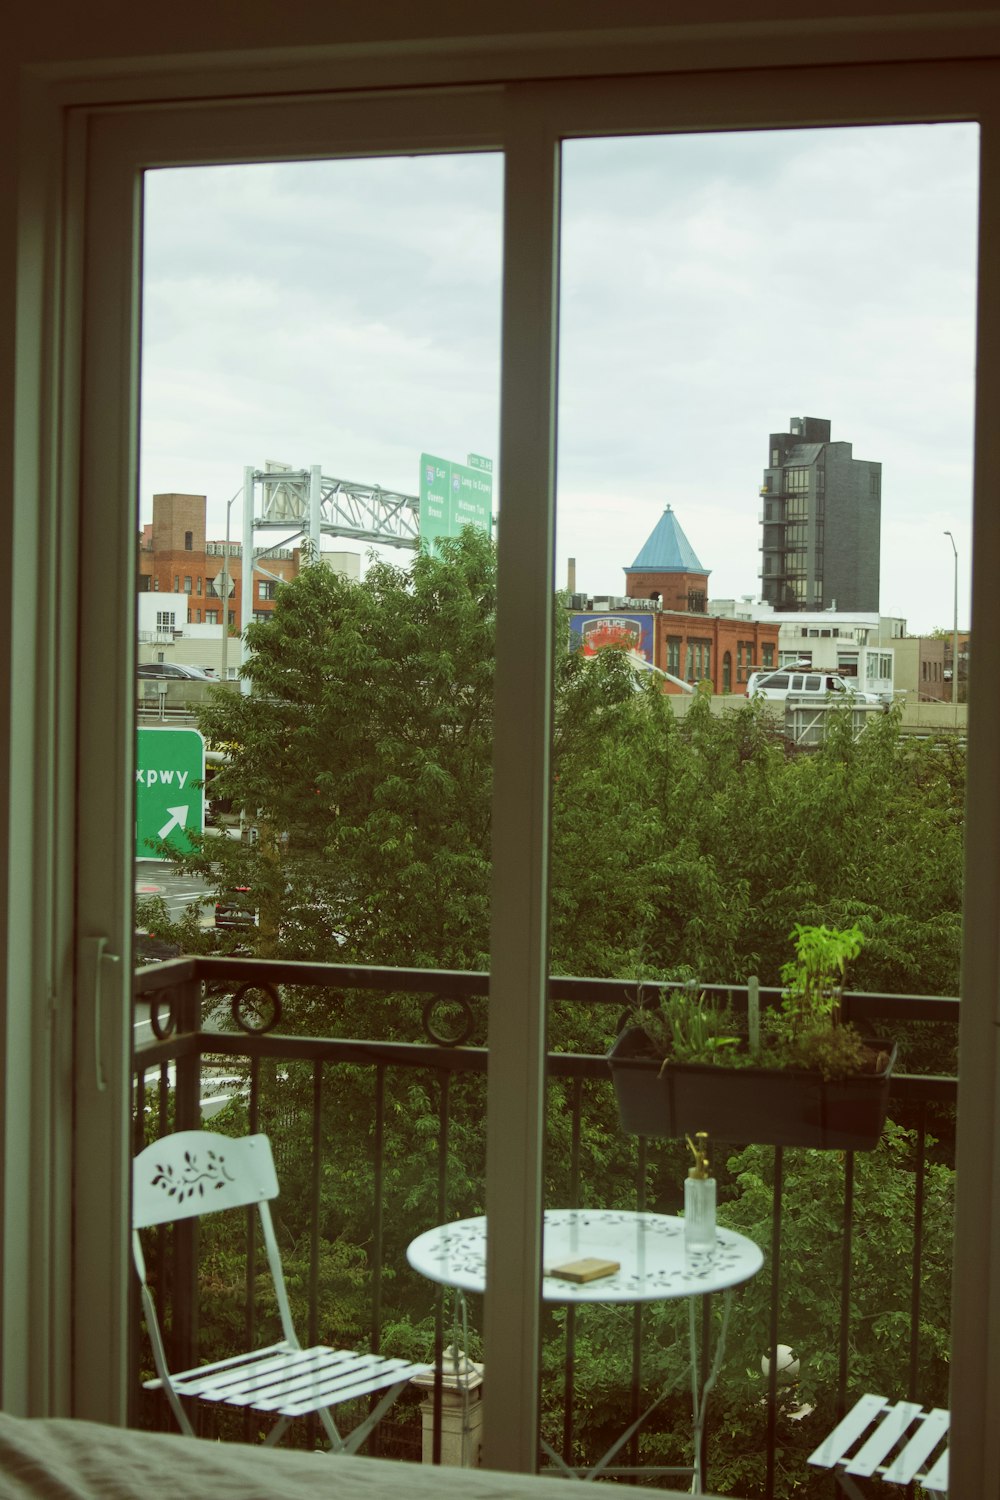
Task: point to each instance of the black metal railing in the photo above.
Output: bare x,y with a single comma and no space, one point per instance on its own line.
375,1078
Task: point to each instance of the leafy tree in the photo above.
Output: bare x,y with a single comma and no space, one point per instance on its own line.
362,755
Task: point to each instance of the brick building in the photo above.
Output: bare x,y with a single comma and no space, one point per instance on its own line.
176,558
664,619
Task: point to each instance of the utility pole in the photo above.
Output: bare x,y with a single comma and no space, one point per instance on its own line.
225,593
954,632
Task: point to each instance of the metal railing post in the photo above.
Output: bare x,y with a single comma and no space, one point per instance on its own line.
187,1116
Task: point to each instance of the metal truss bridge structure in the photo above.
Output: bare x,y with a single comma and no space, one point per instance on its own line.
307,503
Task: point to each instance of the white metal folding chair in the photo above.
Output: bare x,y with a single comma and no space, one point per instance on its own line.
905,1443
197,1172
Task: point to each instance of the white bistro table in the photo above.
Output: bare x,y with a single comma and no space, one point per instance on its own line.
654,1266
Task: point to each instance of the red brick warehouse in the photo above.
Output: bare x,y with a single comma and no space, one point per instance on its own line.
665,617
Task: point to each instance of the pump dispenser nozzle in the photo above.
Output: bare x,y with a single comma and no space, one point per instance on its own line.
699,1197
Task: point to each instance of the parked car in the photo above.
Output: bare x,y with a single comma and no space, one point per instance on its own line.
149,949
238,909
172,669
802,682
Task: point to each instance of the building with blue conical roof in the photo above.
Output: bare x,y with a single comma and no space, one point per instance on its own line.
667,569
664,622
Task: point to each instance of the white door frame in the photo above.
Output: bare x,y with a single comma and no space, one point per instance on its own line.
104,150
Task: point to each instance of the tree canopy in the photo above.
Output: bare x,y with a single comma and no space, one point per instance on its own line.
362,757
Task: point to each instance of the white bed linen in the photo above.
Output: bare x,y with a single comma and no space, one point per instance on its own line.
57,1459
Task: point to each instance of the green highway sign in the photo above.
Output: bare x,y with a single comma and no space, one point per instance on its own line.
454,495
169,790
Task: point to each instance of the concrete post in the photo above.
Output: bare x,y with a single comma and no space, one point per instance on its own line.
461,1411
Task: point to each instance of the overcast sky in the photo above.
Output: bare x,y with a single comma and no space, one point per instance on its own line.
347,314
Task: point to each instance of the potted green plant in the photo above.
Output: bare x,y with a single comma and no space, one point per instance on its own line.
795,1076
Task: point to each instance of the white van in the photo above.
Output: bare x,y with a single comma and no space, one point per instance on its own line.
800,682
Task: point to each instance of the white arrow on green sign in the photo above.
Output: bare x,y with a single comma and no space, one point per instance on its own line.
169,790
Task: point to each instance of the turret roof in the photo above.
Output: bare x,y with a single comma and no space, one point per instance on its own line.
667,550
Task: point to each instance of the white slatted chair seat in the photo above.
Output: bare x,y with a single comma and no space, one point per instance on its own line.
894,1441
291,1382
197,1172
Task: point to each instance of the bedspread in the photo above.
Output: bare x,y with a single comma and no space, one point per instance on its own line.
58,1459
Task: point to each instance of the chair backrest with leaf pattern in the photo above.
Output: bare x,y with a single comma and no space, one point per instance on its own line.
198,1172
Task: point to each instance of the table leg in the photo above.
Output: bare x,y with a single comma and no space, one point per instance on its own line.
700,1392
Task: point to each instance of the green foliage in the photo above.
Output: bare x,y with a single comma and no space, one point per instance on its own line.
362,756
813,979
806,1033
691,1027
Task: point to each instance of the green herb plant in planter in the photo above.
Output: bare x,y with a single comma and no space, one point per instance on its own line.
797,1076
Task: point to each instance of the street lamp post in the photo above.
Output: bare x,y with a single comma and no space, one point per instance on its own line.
954,629
225,593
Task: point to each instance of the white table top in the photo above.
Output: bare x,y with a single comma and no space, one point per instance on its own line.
650,1248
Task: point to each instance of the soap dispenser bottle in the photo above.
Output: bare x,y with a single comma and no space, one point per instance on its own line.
699,1198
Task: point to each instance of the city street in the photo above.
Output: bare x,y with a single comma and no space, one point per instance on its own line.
159,878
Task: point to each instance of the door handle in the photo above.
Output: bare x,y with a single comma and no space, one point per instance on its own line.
97,946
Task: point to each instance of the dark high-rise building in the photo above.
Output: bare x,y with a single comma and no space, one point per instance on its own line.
820,522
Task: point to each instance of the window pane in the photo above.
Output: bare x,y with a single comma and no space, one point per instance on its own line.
319,326
765,433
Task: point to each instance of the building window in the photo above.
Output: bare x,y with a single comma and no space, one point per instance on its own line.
727,673
266,590
211,617
262,614
232,617
187,585
177,583
198,585
197,617
767,650
699,660
166,619
696,601
156,585
188,541
796,481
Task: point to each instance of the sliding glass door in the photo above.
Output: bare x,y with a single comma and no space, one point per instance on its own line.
702,259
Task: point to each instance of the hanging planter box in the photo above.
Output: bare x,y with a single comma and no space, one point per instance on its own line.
761,1106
